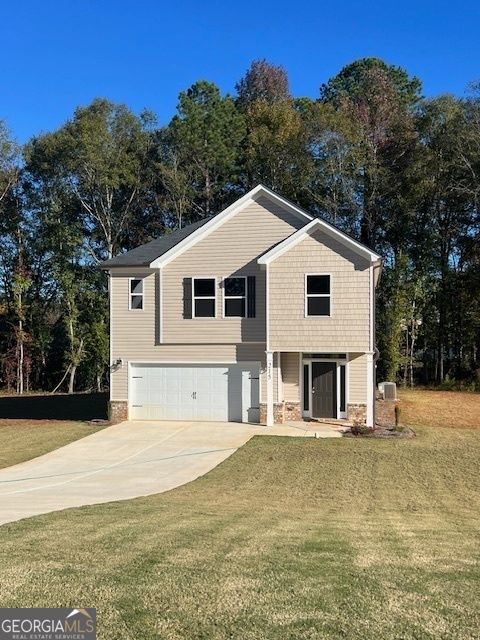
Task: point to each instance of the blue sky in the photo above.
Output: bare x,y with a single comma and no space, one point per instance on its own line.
59,54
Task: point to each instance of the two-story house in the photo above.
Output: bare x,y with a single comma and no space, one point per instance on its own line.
261,313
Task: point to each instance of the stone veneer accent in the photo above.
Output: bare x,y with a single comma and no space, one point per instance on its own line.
282,412
117,411
292,412
278,412
357,413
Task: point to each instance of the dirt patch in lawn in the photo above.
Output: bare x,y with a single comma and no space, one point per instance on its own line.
452,409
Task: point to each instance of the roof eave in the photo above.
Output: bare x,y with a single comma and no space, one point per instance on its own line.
222,217
308,229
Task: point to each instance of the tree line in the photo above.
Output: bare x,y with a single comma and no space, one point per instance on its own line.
370,154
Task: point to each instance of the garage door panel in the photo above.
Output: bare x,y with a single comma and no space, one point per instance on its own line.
211,401
194,392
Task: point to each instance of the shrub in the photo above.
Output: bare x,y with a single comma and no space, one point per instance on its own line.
359,429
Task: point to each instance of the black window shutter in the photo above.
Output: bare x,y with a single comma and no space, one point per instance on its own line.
251,297
187,298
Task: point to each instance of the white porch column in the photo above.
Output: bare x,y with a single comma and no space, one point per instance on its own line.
269,373
370,389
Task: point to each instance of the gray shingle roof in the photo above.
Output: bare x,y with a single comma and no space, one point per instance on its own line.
145,254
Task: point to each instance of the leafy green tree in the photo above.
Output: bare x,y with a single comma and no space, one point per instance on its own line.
175,179
14,263
206,135
9,163
349,84
99,159
448,207
275,148
331,176
370,155
378,99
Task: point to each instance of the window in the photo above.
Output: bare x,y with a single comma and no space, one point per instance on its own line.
204,298
136,294
317,298
306,387
234,297
343,388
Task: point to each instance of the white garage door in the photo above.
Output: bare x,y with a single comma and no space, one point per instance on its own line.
224,393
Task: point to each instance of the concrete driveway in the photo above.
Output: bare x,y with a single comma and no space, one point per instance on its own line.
125,461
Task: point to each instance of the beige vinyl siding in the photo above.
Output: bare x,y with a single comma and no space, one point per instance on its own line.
232,249
290,372
132,330
347,328
133,338
357,378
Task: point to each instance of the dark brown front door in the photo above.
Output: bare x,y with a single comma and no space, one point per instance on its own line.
324,389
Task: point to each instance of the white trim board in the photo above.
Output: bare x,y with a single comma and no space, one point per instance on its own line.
308,230
160,305
310,349
141,363
225,215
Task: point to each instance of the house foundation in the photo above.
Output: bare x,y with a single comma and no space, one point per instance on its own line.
357,413
117,411
282,412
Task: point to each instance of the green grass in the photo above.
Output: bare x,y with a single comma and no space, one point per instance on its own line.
22,440
287,539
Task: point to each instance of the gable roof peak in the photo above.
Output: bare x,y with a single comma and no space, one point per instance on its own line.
314,225
216,221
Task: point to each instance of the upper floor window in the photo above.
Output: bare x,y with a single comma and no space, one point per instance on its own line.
136,294
317,295
204,297
234,297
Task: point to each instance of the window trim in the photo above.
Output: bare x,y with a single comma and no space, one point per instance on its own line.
130,294
225,297
317,295
214,297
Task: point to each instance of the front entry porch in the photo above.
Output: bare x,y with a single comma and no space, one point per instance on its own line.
319,387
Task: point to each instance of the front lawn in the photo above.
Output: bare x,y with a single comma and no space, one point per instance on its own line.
22,440
430,408
289,538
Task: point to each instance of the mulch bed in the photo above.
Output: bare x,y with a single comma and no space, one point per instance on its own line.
381,431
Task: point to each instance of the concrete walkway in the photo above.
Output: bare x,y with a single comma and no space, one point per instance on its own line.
126,461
